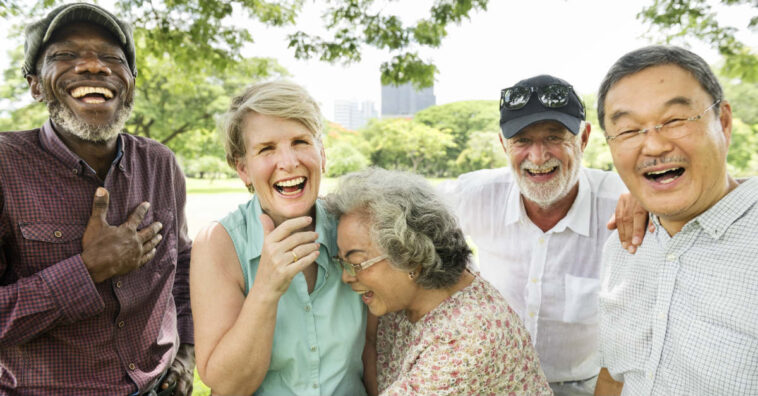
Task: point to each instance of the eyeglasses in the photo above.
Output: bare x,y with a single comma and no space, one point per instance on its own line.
352,269
674,128
552,95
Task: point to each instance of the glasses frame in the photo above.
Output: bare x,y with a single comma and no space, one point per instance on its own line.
539,90
658,127
353,269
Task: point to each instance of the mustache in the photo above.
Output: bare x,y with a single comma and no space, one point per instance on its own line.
531,166
660,161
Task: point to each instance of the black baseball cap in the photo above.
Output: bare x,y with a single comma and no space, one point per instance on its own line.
571,115
40,32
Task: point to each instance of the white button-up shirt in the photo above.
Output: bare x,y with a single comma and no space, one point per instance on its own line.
550,278
680,317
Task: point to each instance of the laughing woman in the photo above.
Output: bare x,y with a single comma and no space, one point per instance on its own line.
271,314
442,329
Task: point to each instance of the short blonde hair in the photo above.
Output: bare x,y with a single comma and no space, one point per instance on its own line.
280,98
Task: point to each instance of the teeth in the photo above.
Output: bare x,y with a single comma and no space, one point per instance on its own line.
667,181
540,171
82,91
361,292
660,172
291,182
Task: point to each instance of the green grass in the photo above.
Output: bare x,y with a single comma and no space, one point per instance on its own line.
199,388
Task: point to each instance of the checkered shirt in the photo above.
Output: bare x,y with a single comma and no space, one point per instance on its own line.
680,317
60,333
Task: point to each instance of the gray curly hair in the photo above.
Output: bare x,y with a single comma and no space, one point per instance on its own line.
409,223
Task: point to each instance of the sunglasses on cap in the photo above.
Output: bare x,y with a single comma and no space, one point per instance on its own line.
552,95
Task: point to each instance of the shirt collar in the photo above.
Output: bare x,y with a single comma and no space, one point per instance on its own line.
326,227
54,145
577,218
717,219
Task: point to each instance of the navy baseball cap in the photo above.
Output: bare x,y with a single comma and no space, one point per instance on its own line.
570,115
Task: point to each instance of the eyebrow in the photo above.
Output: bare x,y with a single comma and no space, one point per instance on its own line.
677,100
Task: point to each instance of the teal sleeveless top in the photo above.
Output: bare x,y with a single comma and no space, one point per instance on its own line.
319,337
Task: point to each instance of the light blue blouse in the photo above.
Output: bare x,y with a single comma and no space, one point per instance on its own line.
319,338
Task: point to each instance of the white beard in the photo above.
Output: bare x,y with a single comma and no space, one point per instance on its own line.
548,193
65,118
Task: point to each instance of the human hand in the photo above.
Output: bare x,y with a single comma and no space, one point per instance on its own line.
108,250
181,372
630,219
286,252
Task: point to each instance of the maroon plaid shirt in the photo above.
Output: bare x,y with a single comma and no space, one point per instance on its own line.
60,333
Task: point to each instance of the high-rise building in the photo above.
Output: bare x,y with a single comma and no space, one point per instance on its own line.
353,115
405,100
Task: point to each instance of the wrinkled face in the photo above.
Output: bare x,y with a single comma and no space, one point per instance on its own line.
676,179
283,161
84,79
545,159
382,287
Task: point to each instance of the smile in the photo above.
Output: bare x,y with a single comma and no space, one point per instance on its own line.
665,176
540,171
92,95
290,187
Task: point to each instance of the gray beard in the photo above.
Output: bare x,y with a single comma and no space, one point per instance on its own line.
65,118
547,194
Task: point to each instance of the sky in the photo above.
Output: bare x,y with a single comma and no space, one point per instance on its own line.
576,40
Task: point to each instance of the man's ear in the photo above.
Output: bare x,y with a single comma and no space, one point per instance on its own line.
34,87
586,135
502,142
725,119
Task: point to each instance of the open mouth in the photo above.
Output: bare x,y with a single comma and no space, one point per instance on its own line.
366,295
290,187
92,95
664,176
541,171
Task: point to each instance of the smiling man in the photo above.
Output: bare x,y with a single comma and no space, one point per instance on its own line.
540,225
86,307
680,317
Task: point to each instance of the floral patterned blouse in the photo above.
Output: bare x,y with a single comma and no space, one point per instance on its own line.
473,343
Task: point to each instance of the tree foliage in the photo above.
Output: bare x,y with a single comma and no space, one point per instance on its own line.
696,18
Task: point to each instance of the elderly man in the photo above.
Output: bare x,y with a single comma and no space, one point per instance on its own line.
87,306
680,317
540,226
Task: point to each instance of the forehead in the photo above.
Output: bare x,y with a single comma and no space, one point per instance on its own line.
652,89
259,128
79,33
548,127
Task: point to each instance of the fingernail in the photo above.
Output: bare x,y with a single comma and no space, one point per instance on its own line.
625,245
636,240
100,192
310,219
630,249
159,225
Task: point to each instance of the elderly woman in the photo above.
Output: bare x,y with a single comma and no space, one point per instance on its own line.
442,329
271,314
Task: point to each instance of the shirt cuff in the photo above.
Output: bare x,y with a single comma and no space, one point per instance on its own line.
72,289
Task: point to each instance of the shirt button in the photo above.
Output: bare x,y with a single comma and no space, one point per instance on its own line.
531,314
671,257
541,240
534,280
661,315
121,324
307,308
75,171
313,348
315,385
58,234
119,284
132,366
650,374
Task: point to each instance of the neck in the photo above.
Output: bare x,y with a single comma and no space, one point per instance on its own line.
278,219
673,225
98,155
547,217
426,300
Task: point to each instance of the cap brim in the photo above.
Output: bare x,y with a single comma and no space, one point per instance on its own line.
513,127
87,13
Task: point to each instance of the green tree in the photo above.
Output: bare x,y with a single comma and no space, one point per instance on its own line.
483,151
406,144
696,18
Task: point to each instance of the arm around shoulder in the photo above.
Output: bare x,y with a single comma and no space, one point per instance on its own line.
606,385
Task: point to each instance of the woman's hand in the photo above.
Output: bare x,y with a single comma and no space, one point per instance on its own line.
286,251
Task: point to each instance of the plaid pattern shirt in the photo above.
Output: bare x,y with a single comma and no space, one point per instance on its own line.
60,333
680,317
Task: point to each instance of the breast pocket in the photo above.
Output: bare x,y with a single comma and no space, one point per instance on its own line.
166,251
580,305
44,244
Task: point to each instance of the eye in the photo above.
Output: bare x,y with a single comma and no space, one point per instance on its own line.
674,122
264,149
114,59
554,139
521,141
301,141
62,55
628,133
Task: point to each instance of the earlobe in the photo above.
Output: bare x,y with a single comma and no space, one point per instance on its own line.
586,135
725,118
242,171
502,143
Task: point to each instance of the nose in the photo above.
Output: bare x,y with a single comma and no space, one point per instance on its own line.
538,153
91,63
347,278
655,144
288,159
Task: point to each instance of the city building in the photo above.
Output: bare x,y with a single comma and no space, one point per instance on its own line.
405,100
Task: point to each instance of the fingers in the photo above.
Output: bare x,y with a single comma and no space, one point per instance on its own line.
170,379
147,257
146,234
284,229
152,243
611,225
267,224
100,205
137,215
302,263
